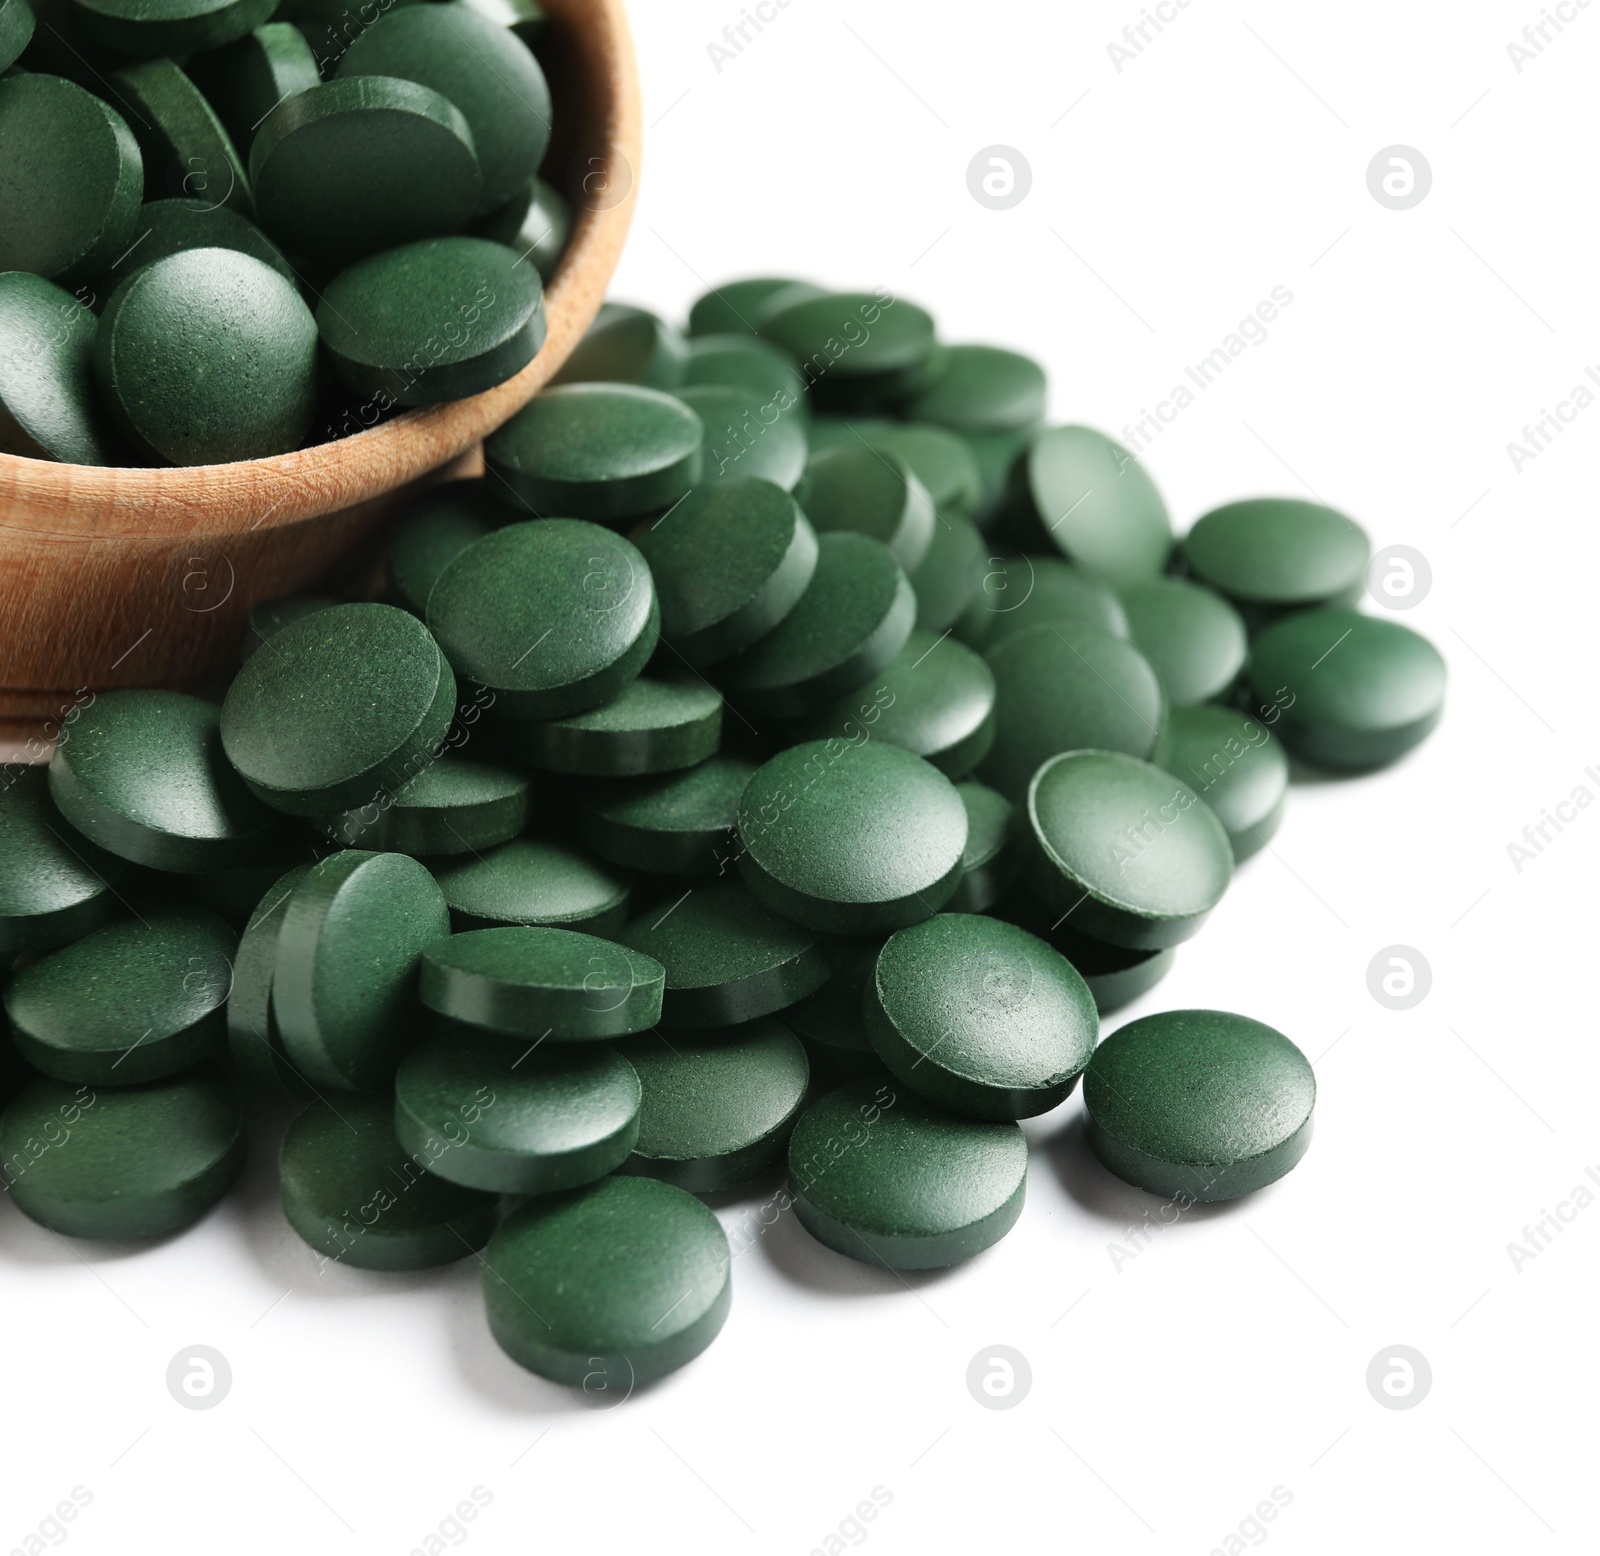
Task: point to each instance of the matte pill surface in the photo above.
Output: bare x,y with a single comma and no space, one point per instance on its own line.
535,223
988,862
744,362
1353,691
1116,975
126,1161
678,824
881,1176
153,27
134,1001
727,957
453,806
432,532
1278,552
609,1287
170,226
16,28
650,726
880,334
48,408
734,307
186,150
1131,854
484,1115
254,1041
627,346
533,881
247,79
747,435
1019,592
833,1016
949,577
980,1017
339,706
1235,764
1199,1104
268,618
1194,640
938,458
851,839
535,983
870,493
358,1196
981,389
54,885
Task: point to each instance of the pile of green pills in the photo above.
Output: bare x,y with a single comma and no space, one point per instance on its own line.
224,236
782,761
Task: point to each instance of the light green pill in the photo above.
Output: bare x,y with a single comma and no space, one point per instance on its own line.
1018,592
1271,554
748,436
872,493
533,881
1194,640
1235,764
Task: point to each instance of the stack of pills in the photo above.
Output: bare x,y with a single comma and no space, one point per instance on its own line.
788,752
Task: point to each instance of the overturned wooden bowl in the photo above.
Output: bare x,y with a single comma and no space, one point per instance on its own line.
136,577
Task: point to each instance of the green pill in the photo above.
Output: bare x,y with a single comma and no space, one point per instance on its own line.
632,346
833,1017
598,451
1019,592
534,224
1094,501
432,321
938,458
949,577
246,79
527,19
144,776
1061,687
131,1002
1129,853
1345,690
1194,640
886,1178
362,164
988,863
54,885
851,838
747,436
833,431
980,1017
254,1041
609,1287
1233,762
981,389
718,1107
434,530
208,356
128,1161
869,492
1116,976
268,618
1270,554
728,958
149,28
554,616
744,362
339,707
453,806
359,1197
996,454
71,179
187,153
481,67
16,28
678,824
650,726
538,983
730,561
168,227
484,1116
1199,1104
532,881
48,408
854,617
849,335
734,307
344,987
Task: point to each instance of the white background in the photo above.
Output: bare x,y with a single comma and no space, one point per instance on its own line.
1173,1391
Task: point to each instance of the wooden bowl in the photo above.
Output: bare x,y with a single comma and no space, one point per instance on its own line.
135,577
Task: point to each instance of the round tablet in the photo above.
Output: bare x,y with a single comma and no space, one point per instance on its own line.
997,453
170,226
268,618
149,28
1194,640
431,321
340,706
631,346
480,66
988,863
747,436
344,988
54,885
531,881
730,561
1346,690
678,824
245,80
1233,762
938,458
851,839
125,1161
1199,1104
16,28
871,493
453,806
833,1016
728,959
980,1017
1116,975
1018,592
1125,850
534,224
950,575
1062,687
735,306
144,776
538,983
48,408
717,1107
981,389
598,451
650,726
1274,553
187,153
359,1197
208,356
853,618
852,335
432,532
881,1176
935,698
744,362
483,1115
362,164
830,430
71,179
1094,500
622,1282
254,1041
134,1001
